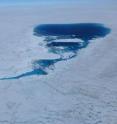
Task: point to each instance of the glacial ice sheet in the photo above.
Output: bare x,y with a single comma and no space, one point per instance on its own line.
80,91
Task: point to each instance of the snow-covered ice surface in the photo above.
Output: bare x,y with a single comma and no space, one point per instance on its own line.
82,90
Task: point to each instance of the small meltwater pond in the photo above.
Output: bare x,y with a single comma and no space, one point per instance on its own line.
64,40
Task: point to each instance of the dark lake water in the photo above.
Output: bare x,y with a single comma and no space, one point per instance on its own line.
84,31
62,39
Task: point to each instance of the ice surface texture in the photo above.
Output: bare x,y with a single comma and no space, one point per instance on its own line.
64,40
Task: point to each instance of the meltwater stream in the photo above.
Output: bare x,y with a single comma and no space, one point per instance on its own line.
64,40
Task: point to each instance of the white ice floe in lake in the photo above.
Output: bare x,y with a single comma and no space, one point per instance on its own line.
82,90
69,40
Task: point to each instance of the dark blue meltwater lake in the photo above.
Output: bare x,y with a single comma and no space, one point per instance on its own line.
84,31
64,40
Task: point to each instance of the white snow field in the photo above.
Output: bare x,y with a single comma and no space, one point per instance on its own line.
82,90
